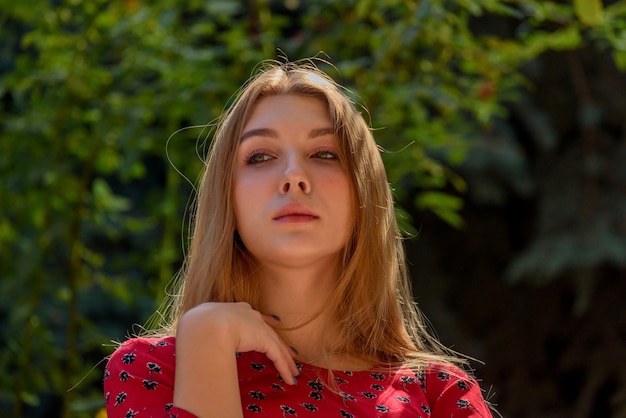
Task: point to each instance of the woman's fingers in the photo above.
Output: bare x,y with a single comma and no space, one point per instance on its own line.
279,355
283,356
248,330
257,333
272,319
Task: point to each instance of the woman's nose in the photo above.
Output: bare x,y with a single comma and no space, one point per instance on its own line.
295,178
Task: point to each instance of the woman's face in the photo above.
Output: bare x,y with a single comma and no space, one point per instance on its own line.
293,199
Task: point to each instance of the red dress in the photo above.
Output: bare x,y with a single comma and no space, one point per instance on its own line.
139,382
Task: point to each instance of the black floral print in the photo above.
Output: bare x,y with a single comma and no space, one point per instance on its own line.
139,382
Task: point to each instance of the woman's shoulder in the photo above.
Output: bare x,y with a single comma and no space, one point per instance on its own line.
446,372
451,389
140,351
148,344
139,379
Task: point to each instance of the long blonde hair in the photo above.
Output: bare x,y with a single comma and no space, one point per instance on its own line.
372,302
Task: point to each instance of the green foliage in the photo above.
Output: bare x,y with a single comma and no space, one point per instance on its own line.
91,90
590,12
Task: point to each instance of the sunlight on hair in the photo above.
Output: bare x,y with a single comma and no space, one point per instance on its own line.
317,80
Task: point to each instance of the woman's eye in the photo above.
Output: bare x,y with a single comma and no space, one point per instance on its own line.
257,157
326,155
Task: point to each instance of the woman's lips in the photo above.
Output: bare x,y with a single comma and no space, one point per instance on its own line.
295,218
294,213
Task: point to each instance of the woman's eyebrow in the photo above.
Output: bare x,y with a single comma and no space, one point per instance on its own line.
321,132
271,133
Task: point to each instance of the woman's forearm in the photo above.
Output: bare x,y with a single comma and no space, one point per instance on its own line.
206,381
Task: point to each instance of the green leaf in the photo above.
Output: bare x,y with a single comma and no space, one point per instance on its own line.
106,200
443,205
620,59
589,12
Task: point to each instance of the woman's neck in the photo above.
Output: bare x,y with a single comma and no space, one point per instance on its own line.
294,293
299,297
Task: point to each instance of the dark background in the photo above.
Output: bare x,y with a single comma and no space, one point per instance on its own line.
504,133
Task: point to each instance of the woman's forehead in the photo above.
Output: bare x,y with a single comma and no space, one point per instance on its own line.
273,107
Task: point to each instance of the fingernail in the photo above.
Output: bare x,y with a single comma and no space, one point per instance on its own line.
294,350
295,380
276,317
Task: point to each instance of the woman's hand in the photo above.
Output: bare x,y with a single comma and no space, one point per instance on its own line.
207,338
244,328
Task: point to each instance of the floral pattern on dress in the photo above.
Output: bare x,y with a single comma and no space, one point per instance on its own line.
139,382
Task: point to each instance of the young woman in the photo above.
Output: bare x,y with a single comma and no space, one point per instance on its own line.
294,299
